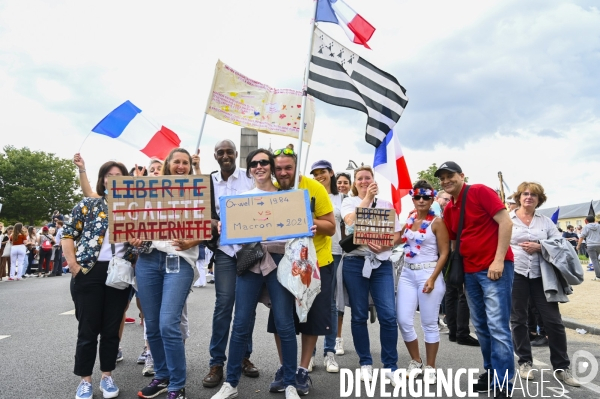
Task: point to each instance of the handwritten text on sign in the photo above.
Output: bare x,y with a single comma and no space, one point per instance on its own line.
375,225
159,208
263,217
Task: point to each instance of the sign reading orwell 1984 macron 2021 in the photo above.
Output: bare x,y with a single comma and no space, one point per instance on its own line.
265,217
159,208
374,225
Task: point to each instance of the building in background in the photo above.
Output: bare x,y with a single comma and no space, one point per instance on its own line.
248,143
572,214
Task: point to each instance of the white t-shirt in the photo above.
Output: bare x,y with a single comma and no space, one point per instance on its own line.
105,254
349,206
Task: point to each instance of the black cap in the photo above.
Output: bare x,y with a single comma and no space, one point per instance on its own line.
449,166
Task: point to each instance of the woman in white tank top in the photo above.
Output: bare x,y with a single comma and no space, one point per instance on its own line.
426,249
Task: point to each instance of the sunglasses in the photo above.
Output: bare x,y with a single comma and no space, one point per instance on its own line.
262,162
419,197
285,151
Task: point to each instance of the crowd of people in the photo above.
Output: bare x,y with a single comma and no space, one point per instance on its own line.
500,249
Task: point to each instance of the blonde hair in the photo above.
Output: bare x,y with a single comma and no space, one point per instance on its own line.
362,168
535,188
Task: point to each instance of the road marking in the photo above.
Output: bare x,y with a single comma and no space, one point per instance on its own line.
70,312
4,336
590,385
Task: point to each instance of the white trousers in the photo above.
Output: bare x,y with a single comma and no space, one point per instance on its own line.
18,260
201,282
410,295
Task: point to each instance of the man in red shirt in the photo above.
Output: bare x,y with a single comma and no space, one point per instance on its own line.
489,268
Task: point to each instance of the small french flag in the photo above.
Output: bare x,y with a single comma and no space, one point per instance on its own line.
126,123
390,163
357,29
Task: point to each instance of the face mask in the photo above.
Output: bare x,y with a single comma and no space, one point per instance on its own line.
105,191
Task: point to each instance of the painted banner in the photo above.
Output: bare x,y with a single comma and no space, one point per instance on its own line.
265,217
375,225
247,103
159,208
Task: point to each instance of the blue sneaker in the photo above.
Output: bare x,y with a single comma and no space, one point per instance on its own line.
277,384
303,382
84,390
108,387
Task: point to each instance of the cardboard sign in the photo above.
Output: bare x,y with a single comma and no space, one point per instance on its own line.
265,217
375,225
159,208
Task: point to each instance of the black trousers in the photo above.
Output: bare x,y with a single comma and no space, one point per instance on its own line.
57,270
524,290
457,312
45,254
99,310
534,320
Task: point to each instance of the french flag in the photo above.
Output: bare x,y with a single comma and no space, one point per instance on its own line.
126,123
389,162
357,29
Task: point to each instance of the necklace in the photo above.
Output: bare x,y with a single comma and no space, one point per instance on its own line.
418,236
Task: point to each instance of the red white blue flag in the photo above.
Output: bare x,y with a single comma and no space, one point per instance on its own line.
126,123
357,29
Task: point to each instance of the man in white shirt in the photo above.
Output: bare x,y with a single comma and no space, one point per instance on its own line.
57,270
230,180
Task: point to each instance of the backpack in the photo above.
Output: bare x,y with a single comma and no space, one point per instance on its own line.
47,243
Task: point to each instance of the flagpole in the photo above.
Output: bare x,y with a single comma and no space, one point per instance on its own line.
304,93
201,130
306,161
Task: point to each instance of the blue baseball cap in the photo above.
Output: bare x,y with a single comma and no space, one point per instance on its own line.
322,164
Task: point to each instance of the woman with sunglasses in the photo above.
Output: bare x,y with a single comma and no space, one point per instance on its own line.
343,183
261,166
426,248
368,269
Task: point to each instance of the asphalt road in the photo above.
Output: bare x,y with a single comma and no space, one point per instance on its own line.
36,359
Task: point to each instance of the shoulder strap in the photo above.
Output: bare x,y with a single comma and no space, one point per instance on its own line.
213,209
463,205
112,248
374,204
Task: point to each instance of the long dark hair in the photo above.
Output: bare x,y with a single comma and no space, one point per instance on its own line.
100,188
17,229
260,151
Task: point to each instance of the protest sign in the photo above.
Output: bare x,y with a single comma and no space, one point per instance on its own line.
159,208
265,217
237,99
375,225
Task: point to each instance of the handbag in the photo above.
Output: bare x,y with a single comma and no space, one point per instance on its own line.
7,249
248,256
347,242
120,273
455,272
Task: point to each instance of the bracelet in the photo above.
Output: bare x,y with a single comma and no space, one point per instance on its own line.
81,170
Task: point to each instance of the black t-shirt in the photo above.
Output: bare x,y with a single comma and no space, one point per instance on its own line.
568,234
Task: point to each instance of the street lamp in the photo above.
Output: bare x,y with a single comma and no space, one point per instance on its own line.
352,165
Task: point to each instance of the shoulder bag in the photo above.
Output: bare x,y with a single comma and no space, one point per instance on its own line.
120,273
7,248
347,243
248,256
455,272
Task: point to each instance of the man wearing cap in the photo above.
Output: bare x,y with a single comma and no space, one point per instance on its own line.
489,268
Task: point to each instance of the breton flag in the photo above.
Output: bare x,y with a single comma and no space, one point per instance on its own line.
357,29
340,77
126,123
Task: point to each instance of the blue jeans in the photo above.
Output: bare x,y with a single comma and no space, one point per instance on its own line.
225,282
247,293
490,304
381,287
163,296
329,345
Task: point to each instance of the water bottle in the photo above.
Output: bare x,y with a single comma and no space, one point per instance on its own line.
172,260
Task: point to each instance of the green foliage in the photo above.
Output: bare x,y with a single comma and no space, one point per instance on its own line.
34,183
428,174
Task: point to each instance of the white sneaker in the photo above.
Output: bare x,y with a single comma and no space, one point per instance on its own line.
414,365
366,373
525,371
429,375
390,376
444,329
226,392
330,364
311,364
291,393
339,346
566,376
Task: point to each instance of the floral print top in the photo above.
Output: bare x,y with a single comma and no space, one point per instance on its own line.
88,225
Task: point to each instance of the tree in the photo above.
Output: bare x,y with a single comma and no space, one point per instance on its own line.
429,175
34,183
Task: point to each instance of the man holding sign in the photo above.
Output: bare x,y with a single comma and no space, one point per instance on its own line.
319,317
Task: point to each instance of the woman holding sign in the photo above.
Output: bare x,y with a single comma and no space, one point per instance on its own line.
165,273
98,307
261,166
368,269
426,248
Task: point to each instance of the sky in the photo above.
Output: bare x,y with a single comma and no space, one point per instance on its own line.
497,85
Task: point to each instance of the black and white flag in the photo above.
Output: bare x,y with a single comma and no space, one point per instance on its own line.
340,77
